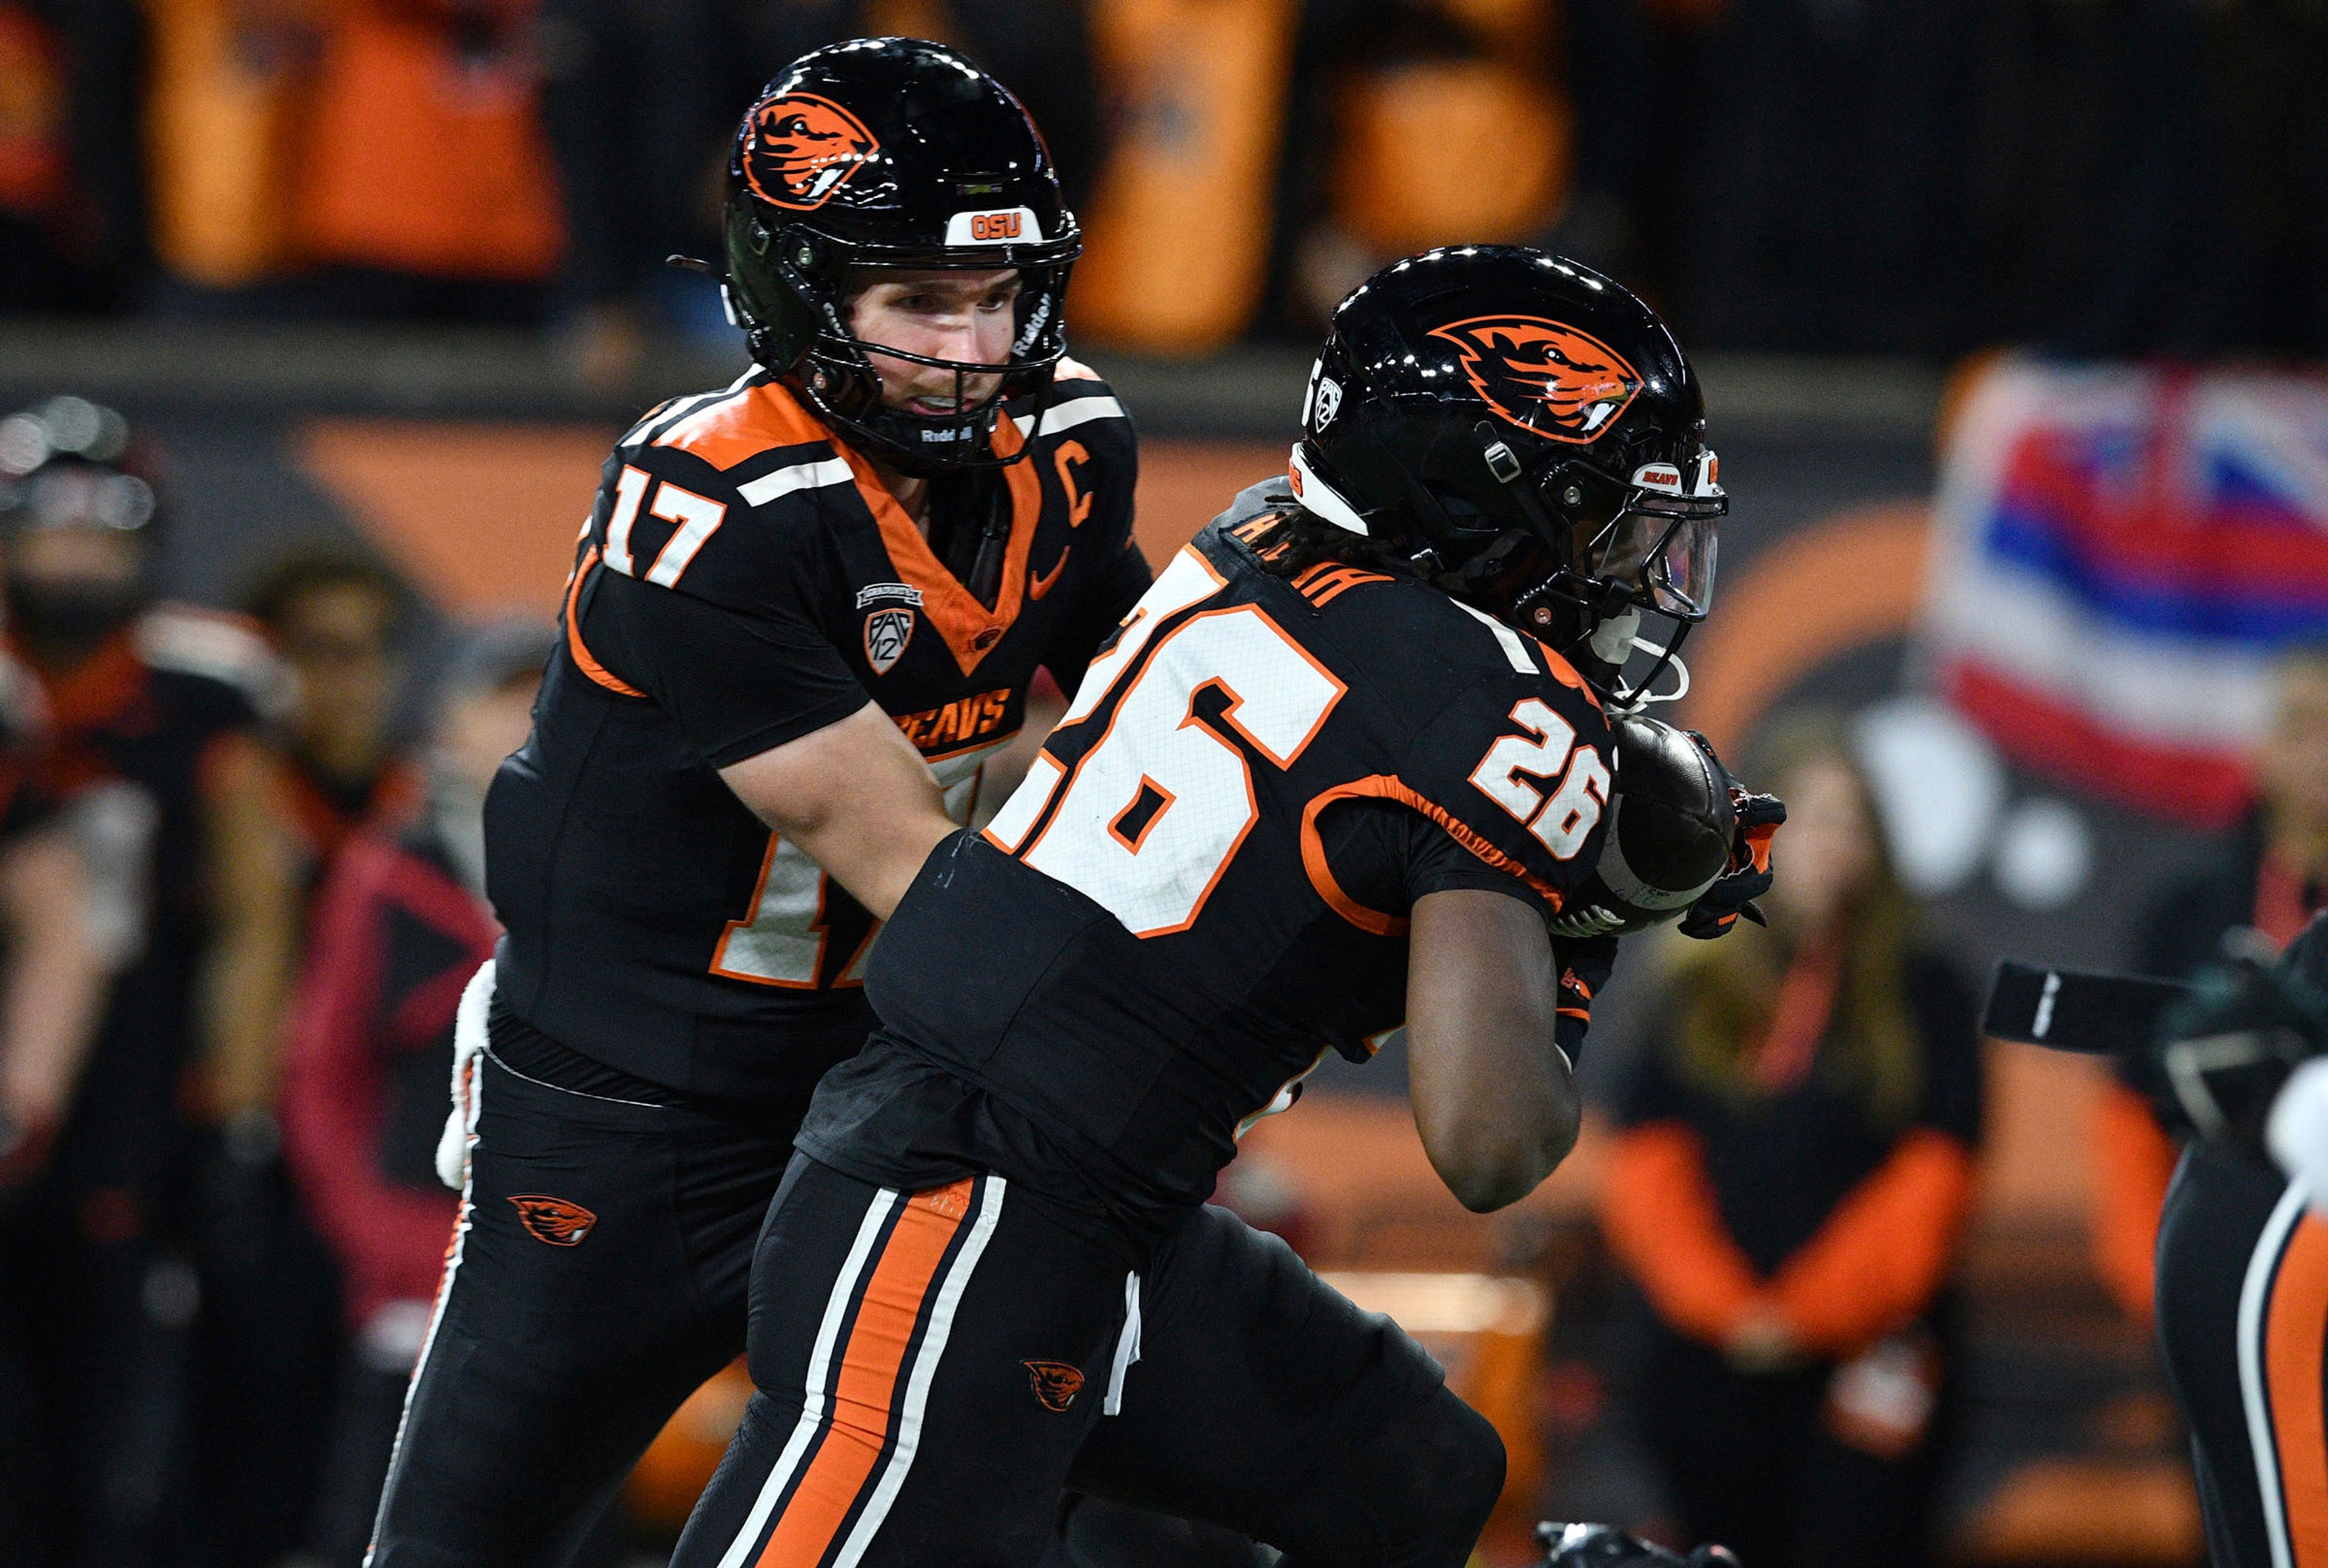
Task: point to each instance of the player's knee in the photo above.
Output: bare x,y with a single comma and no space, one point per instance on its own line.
1435,1474
1467,1458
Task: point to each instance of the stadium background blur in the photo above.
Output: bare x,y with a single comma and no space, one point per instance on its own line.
2011,313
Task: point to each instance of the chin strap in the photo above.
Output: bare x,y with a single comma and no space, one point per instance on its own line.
1633,700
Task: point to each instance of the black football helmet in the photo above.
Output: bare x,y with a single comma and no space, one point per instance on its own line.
1530,436
892,151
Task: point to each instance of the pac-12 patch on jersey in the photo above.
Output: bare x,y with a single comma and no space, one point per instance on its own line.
886,632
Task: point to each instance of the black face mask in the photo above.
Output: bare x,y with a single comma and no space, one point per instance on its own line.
66,623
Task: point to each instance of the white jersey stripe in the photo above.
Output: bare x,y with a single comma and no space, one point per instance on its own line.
1515,648
926,1368
1075,411
819,1360
799,476
695,405
2254,1312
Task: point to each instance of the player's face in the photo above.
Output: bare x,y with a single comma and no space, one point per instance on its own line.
943,315
1829,842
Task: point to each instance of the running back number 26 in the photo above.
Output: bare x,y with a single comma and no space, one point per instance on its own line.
1147,823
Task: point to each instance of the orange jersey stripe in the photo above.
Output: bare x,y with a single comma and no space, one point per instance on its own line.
583,658
1373,922
743,425
871,1370
2293,1347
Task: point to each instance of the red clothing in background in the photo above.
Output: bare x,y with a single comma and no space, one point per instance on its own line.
397,937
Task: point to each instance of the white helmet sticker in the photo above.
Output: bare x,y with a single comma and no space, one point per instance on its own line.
1008,226
1320,499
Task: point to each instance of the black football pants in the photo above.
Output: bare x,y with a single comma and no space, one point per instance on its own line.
2243,1321
934,1368
597,1277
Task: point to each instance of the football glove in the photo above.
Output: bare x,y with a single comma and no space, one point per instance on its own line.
1733,893
1607,1546
1584,968
2223,1056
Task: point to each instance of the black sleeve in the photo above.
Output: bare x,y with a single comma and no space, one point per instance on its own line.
1384,856
1947,1023
738,684
1562,743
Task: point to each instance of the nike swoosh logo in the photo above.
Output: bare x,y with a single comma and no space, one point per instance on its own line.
1037,587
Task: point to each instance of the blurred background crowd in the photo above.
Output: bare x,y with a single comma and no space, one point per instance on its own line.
1844,176
2013,315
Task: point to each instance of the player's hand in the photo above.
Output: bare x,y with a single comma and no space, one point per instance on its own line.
1607,1546
2224,1054
1733,893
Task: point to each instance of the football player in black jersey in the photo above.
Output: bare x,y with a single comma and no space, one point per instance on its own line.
1337,771
803,611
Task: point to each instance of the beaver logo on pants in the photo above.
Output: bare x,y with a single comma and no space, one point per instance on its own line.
554,1220
1057,1384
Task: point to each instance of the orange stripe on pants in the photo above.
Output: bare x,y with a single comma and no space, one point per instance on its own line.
871,1368
2294,1335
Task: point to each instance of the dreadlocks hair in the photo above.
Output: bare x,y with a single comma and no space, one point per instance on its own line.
1296,539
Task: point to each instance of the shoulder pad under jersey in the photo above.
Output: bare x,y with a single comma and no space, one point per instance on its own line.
1511,751
722,496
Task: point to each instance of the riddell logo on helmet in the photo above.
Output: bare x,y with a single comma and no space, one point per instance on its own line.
1548,378
803,148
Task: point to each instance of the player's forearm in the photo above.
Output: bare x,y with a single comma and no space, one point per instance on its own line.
1494,1136
1495,1101
857,799
55,983
876,861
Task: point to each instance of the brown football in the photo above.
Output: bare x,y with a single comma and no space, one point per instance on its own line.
1670,823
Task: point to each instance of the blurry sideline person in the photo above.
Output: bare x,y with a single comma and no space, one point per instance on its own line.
1789,1189
805,610
52,990
401,925
337,621
269,1337
1284,812
174,800
2269,878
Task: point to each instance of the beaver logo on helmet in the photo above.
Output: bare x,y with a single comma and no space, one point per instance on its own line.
1548,378
803,148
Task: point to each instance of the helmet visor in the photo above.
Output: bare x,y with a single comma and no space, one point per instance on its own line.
1664,555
